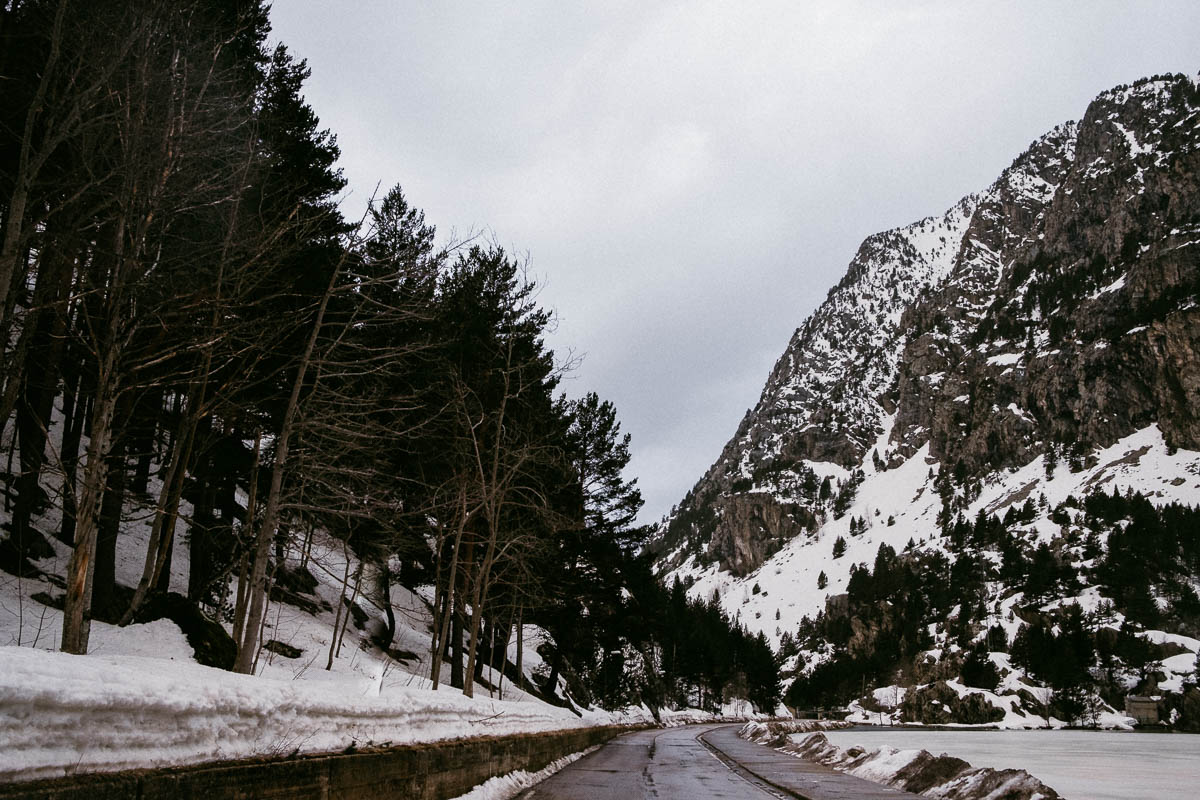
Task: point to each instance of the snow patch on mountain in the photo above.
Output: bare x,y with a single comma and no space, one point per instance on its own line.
902,504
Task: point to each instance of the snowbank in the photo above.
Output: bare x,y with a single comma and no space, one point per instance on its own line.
921,772
776,733
61,714
502,787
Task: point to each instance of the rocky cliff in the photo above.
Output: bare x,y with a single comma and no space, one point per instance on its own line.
1047,317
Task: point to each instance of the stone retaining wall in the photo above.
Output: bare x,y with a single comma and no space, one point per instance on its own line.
434,771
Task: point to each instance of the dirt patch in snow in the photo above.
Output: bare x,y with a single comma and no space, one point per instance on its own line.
1131,458
1012,498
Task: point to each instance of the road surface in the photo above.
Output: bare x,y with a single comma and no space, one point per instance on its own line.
698,762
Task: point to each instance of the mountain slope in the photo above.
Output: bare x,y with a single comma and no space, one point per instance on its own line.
1050,319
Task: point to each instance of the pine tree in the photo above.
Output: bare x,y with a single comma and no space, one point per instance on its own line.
600,454
826,490
839,547
978,669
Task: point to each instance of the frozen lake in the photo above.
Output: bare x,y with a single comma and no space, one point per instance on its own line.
1079,765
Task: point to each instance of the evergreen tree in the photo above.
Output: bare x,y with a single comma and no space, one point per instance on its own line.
978,669
600,455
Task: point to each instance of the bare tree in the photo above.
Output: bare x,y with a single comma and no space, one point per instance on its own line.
174,117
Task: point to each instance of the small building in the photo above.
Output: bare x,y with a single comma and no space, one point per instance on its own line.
1143,709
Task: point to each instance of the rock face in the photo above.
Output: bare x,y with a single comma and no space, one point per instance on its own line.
1053,312
754,526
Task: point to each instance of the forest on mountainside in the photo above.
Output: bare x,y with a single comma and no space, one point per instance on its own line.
1130,550
188,321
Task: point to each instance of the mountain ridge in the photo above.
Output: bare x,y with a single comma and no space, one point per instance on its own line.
921,319
970,485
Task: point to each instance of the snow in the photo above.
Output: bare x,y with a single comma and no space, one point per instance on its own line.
886,762
61,713
1141,462
912,769
1116,285
503,787
1177,668
1097,765
1020,413
1161,637
1136,148
139,699
1005,359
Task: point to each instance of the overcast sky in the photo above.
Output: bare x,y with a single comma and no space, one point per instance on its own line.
690,178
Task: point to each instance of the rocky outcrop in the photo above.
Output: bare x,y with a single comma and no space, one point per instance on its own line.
1088,329
752,528
1055,311
820,412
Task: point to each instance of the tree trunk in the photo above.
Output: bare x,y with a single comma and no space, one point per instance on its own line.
478,595
449,594
104,581
239,606
162,570
141,443
201,559
72,436
520,648
258,600
456,643
503,659
77,604
437,637
243,594
337,617
10,250
31,392
162,531
350,608
385,591
262,625
500,657
29,164
551,687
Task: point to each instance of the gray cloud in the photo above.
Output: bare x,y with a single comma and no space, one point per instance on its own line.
689,179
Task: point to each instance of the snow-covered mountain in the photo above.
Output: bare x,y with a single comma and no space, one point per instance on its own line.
1052,317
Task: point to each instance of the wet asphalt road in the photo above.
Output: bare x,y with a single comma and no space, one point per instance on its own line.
662,764
677,764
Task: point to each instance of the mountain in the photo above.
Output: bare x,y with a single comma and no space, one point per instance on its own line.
1050,319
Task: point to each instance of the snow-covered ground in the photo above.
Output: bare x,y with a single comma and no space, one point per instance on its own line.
139,699
61,714
502,787
1080,765
899,507
901,504
910,770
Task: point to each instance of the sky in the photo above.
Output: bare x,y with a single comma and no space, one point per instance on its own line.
688,179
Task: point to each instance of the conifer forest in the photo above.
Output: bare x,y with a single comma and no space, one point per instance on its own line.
189,320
